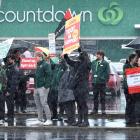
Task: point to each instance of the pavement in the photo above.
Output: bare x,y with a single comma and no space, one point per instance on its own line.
109,127
114,119
30,122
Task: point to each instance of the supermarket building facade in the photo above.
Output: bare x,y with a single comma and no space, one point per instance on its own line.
100,20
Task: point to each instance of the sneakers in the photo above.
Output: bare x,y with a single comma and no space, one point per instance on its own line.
47,123
1,122
39,122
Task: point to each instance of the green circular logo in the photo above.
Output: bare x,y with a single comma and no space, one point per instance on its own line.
112,15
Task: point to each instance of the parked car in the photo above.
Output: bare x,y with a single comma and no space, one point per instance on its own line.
114,83
123,61
119,68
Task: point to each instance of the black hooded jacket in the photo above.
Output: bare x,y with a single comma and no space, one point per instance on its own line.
12,78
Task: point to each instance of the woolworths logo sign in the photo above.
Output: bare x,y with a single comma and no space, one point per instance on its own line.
40,15
111,15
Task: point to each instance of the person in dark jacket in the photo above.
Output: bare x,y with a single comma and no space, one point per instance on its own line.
66,96
12,86
100,73
3,84
22,101
57,72
42,87
80,86
130,99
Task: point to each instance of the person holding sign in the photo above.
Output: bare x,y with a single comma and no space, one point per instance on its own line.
130,101
80,86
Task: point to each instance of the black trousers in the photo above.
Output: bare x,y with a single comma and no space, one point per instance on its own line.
130,106
53,103
2,106
81,95
53,109
20,100
70,111
10,105
61,109
99,90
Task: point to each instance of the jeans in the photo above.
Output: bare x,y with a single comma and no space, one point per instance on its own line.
40,97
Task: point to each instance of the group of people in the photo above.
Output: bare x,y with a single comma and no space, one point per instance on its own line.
63,86
132,115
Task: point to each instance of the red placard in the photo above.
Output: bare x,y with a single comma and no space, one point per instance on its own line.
133,80
28,63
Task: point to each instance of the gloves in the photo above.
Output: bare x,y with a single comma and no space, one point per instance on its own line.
65,56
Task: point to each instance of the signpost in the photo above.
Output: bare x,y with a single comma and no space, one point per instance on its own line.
52,48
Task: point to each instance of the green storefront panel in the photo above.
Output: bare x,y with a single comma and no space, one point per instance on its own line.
100,18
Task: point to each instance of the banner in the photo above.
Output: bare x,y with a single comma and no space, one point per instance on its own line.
72,35
5,47
28,63
133,80
52,48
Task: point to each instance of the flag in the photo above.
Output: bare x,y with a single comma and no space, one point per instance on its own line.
5,47
61,27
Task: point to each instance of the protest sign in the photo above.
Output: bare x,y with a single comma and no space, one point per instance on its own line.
133,80
72,35
28,63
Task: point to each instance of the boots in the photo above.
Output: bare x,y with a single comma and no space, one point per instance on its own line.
85,123
79,121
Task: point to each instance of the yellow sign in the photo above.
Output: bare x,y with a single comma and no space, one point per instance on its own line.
72,35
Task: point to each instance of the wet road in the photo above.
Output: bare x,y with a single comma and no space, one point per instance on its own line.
70,135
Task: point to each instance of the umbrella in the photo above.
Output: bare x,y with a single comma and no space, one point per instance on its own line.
134,43
42,49
54,59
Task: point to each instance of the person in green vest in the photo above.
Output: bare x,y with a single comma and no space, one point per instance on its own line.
100,72
3,83
57,72
42,87
130,99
